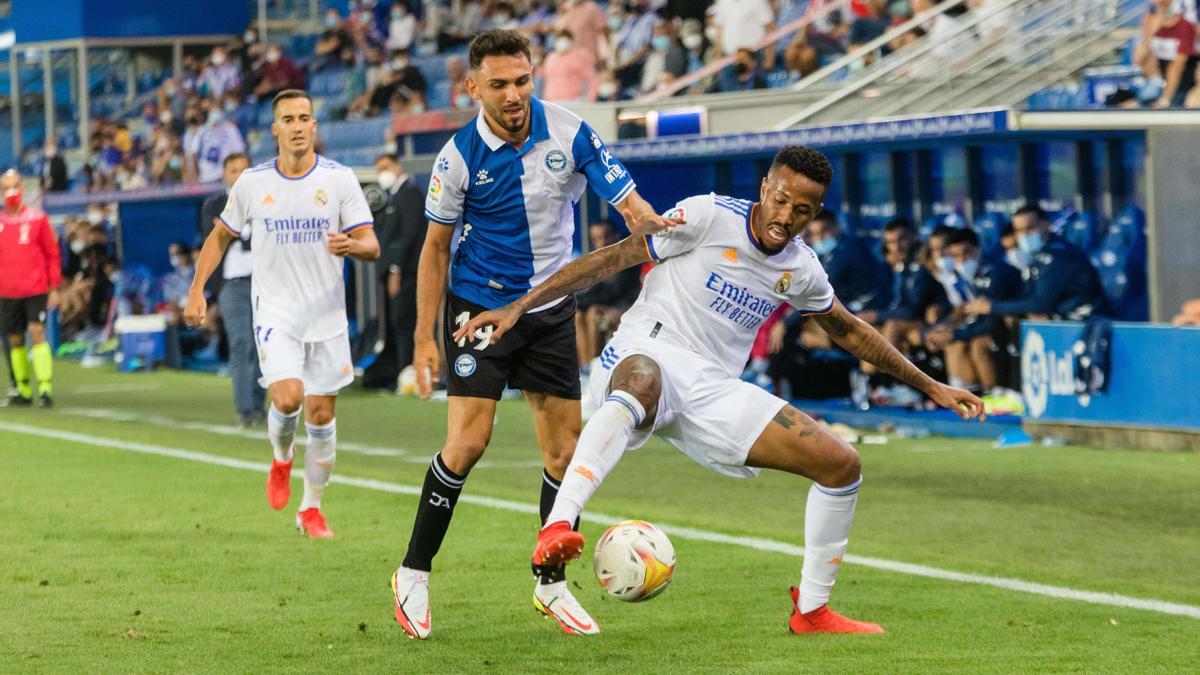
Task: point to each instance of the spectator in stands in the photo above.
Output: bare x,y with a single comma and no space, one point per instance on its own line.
401,229
743,75
330,47
1061,284
742,24
131,175
631,44
568,72
219,76
585,21
276,73
456,74
54,169
997,22
246,51
502,16
189,74
801,58
609,87
973,343
861,279
218,139
172,104
468,22
1168,44
404,86
950,45
402,29
667,59
691,38
599,309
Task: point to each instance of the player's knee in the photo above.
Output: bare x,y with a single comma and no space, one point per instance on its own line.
460,455
287,400
319,416
640,377
845,468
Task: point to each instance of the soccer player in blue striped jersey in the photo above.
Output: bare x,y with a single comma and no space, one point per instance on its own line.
672,368
512,177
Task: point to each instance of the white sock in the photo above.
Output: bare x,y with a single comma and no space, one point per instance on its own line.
281,429
319,456
600,447
827,520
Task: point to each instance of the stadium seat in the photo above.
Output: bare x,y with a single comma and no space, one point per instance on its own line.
1077,227
349,135
1121,261
438,96
988,227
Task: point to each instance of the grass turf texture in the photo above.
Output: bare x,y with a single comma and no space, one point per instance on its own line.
116,561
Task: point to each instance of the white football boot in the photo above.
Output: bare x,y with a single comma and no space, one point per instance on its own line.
410,590
555,601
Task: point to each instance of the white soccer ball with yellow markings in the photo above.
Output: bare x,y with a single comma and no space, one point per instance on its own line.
634,561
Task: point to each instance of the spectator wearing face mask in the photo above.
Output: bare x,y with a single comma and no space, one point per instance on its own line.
218,139
608,88
404,81
276,73
568,72
456,74
667,59
743,75
973,343
1061,283
1166,53
219,76
54,169
861,279
585,21
633,41
741,24
402,29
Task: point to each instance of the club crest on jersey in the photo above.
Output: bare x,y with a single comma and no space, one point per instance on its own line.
464,365
320,198
784,283
556,160
435,190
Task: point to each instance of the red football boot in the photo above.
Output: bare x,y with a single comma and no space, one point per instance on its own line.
279,484
312,523
557,543
825,620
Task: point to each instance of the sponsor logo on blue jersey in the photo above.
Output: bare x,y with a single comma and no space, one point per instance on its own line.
737,303
556,160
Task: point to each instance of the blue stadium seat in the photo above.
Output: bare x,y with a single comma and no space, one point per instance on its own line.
349,135
438,96
777,79
1121,261
1077,227
948,219
328,82
988,227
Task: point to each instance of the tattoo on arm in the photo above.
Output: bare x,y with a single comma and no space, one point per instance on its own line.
586,271
860,339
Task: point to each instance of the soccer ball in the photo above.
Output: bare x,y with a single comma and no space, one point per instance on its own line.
634,561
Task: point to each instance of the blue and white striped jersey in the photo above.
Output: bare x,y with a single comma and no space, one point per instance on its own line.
517,205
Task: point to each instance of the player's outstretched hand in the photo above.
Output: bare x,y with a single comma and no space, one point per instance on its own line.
426,361
962,402
648,223
489,325
339,244
196,309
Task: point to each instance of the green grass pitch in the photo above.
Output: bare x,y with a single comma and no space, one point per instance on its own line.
119,561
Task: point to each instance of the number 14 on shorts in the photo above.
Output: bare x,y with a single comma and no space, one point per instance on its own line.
483,336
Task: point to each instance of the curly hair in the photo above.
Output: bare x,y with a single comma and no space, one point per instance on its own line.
497,42
806,162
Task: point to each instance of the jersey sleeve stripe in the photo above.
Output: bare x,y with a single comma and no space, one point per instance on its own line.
231,230
813,313
438,219
623,193
650,248
355,227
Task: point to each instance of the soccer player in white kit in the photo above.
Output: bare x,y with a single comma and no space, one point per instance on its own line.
672,368
304,214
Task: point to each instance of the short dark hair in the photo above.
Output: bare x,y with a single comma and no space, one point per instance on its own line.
233,157
963,235
289,94
943,231
806,162
900,223
826,216
390,156
1034,209
497,42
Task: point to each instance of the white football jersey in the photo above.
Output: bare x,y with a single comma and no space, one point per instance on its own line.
297,284
714,285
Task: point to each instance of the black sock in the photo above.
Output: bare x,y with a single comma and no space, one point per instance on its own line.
548,574
438,497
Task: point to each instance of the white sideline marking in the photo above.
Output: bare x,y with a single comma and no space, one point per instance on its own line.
228,430
114,388
755,543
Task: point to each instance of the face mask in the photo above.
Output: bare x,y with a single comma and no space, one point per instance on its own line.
165,118
230,106
12,198
606,90
249,37
399,63
710,32
741,68
95,217
693,40
170,91
218,59
417,108
614,23
1018,258
77,246
397,14
463,101
386,179
51,152
945,265
272,57
215,117
968,269
173,164
825,246
660,42
562,44
1031,243
331,21
176,262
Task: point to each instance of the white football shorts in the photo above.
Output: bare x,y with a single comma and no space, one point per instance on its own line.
324,367
711,417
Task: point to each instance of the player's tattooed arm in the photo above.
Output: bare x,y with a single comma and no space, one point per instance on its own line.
575,276
861,339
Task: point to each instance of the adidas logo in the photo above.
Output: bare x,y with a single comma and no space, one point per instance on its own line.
730,254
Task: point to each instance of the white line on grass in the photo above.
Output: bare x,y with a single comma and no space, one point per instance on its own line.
228,430
115,388
756,543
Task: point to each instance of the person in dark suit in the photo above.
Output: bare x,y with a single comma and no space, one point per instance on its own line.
401,229
54,169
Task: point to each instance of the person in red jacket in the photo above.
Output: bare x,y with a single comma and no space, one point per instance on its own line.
30,272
